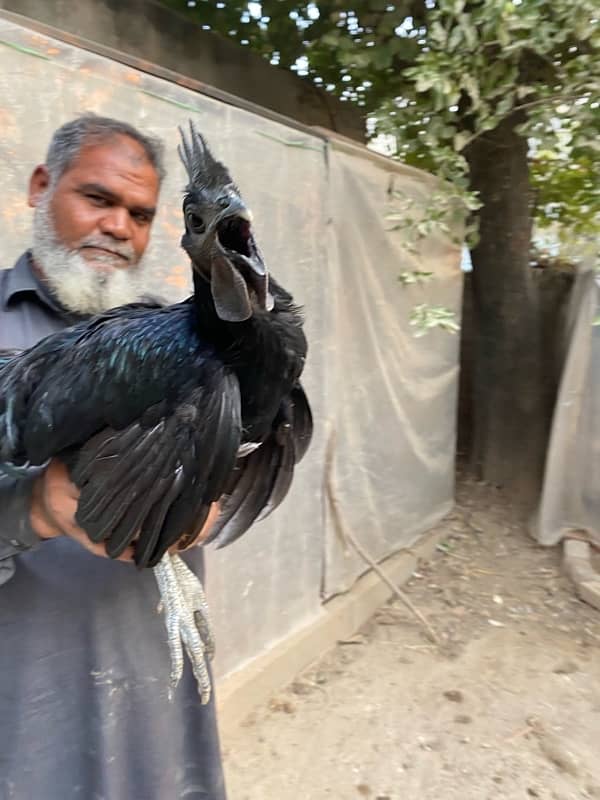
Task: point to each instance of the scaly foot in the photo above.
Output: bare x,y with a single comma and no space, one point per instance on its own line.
192,588
186,618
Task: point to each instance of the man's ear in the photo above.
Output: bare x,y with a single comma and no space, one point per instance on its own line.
38,184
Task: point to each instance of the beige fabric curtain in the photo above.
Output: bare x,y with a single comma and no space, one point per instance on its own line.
570,498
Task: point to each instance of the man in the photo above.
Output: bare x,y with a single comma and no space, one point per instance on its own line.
84,665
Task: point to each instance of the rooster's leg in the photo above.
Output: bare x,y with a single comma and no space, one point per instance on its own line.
187,621
193,590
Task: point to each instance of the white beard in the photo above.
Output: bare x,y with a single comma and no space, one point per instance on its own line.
80,286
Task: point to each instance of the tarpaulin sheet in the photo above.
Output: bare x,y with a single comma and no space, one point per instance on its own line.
383,401
391,397
570,500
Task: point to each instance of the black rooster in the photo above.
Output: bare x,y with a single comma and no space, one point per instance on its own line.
160,411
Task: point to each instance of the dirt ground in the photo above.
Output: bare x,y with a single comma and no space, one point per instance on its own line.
507,707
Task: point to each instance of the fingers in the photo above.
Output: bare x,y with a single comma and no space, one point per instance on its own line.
208,523
127,554
97,548
203,533
57,480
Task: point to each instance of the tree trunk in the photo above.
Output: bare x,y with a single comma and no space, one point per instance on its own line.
509,424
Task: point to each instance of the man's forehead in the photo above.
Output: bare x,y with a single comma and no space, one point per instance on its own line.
118,160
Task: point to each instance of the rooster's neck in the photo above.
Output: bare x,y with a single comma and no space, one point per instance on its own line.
220,333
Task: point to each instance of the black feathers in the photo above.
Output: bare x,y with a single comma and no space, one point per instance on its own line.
262,479
203,170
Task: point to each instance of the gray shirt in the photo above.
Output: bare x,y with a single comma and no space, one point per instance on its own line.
84,664
28,313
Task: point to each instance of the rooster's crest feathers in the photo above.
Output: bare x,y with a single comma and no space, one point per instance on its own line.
204,171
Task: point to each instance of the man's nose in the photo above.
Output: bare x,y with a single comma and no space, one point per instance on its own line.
117,223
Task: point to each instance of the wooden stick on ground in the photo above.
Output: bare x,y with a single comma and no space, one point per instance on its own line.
347,536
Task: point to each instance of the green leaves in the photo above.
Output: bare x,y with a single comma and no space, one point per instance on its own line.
566,187
425,318
414,276
436,78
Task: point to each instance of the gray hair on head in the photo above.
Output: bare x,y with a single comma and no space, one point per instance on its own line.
68,141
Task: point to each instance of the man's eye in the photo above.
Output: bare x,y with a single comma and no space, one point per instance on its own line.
141,218
97,199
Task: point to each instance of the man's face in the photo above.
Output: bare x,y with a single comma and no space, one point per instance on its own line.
92,226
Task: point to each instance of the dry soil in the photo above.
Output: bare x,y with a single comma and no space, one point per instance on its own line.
508,706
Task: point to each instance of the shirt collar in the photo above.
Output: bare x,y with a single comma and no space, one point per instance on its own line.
21,281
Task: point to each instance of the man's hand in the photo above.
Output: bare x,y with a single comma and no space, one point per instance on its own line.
204,531
54,504
53,507
209,522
